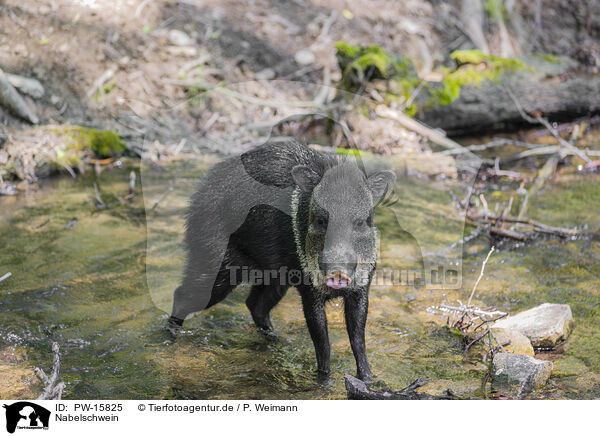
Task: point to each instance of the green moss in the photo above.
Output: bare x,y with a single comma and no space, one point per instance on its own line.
68,156
104,90
495,9
108,88
372,62
347,50
495,63
103,143
77,139
550,58
454,80
405,87
351,152
473,68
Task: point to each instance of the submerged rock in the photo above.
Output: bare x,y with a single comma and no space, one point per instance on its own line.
17,377
516,373
519,343
545,325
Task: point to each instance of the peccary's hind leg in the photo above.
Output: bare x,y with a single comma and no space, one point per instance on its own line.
198,292
261,300
203,269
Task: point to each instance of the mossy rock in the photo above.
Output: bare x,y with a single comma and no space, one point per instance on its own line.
52,148
472,68
368,63
495,63
77,141
365,63
103,143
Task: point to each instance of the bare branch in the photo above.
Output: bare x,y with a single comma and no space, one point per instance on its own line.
52,389
480,275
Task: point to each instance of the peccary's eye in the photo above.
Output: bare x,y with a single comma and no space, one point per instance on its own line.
360,224
320,222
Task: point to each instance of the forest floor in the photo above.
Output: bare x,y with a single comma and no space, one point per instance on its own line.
139,67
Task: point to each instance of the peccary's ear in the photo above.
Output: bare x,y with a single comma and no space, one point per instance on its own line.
381,182
305,177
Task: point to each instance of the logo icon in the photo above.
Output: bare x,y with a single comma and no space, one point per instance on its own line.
26,415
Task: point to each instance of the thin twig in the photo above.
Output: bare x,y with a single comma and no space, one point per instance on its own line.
52,389
414,125
166,193
497,142
480,274
140,8
100,203
538,226
472,310
132,178
541,120
505,233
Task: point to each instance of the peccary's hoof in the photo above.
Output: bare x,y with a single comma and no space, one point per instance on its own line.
323,378
264,325
367,377
174,326
268,333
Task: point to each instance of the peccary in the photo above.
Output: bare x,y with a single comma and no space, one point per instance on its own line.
285,215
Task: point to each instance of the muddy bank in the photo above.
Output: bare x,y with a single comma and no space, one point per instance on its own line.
132,77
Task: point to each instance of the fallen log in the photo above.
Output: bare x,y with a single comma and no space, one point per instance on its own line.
550,88
358,390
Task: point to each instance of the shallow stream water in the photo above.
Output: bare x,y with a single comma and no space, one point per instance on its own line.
79,279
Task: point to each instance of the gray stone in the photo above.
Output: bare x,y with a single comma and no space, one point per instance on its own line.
177,37
519,343
305,57
183,51
266,74
545,325
520,374
26,85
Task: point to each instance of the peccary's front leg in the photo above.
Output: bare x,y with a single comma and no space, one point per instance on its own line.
316,320
356,307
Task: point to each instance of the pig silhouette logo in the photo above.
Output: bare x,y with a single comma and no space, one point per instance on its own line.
26,415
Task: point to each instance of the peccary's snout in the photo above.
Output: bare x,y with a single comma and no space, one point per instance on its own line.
339,267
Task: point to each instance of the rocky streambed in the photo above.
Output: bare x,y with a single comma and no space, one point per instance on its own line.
96,304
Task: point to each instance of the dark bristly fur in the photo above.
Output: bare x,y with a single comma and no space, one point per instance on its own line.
285,208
